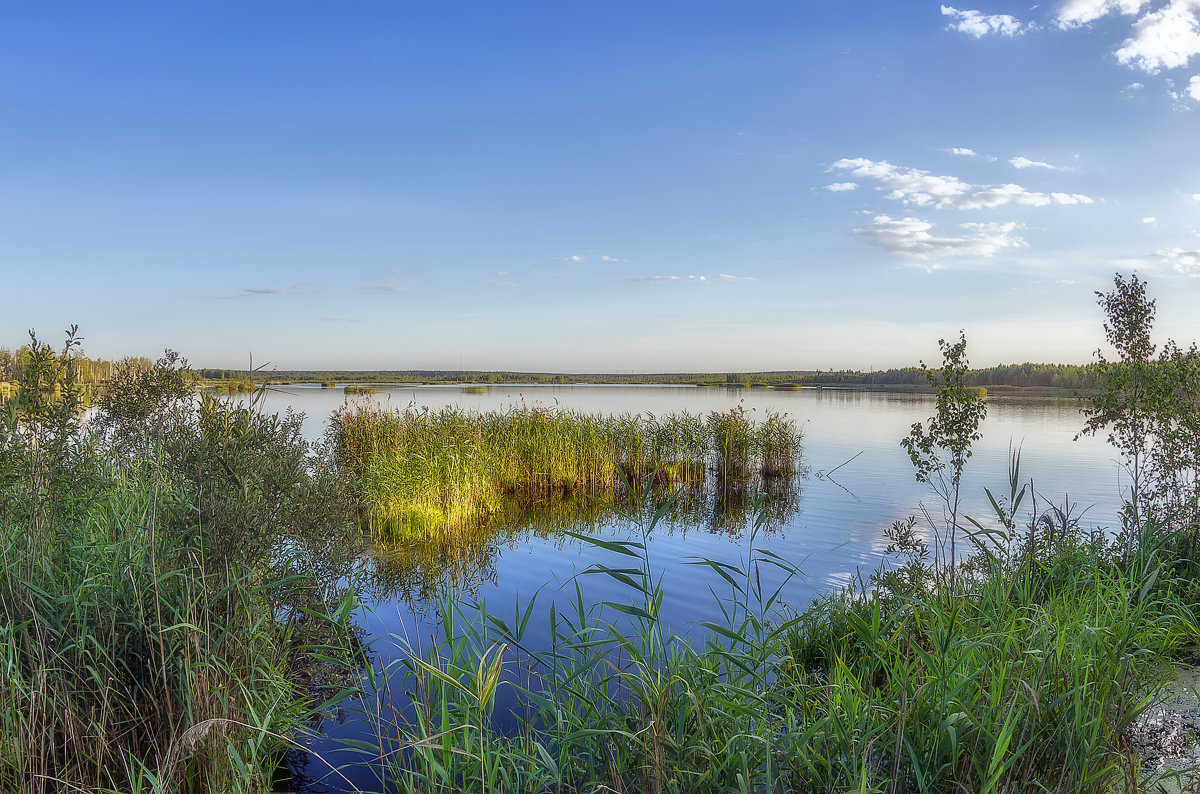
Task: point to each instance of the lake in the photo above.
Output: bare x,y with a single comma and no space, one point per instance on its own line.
858,481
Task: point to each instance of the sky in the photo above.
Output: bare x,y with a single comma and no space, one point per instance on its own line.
594,186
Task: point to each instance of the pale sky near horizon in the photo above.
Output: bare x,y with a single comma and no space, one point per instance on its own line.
595,186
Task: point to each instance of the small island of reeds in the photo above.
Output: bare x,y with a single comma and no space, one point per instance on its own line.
421,471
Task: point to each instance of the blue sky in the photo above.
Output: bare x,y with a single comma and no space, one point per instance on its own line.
595,186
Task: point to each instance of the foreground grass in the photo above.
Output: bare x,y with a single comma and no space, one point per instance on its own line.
126,660
1023,676
163,626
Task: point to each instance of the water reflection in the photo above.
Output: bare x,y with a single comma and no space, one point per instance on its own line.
417,571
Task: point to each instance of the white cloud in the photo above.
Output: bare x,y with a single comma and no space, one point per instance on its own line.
1025,162
1067,199
961,151
500,282
912,237
670,279
1150,221
691,279
612,259
1186,262
910,185
919,188
1077,13
1164,39
1196,197
841,187
978,24
1193,88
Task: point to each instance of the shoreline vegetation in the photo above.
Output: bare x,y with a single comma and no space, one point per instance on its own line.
1028,378
178,596
423,472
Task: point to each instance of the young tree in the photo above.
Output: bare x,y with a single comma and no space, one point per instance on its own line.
1126,399
940,452
1150,407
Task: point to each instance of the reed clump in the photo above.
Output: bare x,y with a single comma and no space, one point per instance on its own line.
1029,671
420,471
164,623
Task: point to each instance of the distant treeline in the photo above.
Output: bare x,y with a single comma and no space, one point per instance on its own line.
1059,376
1056,376
428,376
90,371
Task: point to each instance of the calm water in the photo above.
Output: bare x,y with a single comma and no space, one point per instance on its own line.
835,530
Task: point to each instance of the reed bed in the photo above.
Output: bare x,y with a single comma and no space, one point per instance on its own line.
1028,673
161,626
126,662
422,471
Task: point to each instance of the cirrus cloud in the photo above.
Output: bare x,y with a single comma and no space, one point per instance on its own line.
690,279
500,281
912,237
670,279
383,289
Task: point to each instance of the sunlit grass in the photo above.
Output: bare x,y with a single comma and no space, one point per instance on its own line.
422,471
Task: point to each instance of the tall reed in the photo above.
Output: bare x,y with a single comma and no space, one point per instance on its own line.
1029,676
616,703
147,640
422,471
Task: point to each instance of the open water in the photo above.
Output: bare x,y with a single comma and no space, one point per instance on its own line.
858,481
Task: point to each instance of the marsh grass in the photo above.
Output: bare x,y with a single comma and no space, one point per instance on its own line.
422,471
120,641
617,700
161,624
1026,677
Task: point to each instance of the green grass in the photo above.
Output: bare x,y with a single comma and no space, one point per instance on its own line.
424,471
117,642
164,622
1023,678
